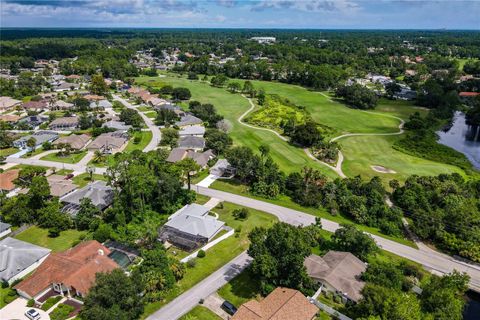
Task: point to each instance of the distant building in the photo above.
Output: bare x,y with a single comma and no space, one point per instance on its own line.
59,186
7,179
66,86
188,120
102,104
76,142
195,130
280,304
190,227
8,103
64,123
264,39
117,125
201,158
191,142
35,105
109,143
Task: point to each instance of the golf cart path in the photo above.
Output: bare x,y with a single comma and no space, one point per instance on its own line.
338,166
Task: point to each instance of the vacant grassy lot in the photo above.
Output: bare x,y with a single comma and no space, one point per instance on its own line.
221,253
200,313
145,137
40,237
83,179
8,151
71,158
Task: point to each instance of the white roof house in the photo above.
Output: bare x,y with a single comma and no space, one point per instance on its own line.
195,130
193,219
18,258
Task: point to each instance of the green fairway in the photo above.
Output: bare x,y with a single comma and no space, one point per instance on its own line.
71,158
40,237
360,152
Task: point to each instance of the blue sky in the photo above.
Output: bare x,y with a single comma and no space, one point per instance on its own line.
313,14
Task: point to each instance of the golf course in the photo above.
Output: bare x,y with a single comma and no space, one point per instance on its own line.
362,153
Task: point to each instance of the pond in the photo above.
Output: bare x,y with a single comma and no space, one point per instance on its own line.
463,138
472,310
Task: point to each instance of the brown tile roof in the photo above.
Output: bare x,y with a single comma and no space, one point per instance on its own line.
280,304
468,94
59,186
35,105
9,118
75,141
75,268
7,178
93,97
340,270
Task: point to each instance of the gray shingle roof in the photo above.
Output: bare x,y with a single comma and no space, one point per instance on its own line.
98,191
4,226
16,256
194,219
191,142
188,120
196,130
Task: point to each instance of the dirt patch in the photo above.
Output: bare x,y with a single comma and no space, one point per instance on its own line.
382,169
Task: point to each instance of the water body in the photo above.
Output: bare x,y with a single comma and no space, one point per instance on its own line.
472,310
463,138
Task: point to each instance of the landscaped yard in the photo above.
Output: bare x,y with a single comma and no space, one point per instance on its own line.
7,295
83,179
200,313
8,151
145,137
33,153
144,108
241,289
284,201
73,157
40,237
151,114
221,253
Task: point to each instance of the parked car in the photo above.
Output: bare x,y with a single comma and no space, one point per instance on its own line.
32,314
229,307
69,176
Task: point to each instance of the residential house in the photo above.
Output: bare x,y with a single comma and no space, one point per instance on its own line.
109,143
5,229
262,40
190,227
196,130
168,106
93,97
98,191
62,105
117,125
337,272
35,105
201,158
188,120
192,142
66,86
59,186
280,304
64,123
76,142
34,121
68,273
7,179
466,96
10,118
19,258
39,136
405,93
101,104
7,103
223,169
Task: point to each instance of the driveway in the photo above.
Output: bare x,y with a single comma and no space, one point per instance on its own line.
16,310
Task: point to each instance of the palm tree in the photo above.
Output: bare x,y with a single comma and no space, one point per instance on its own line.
189,167
98,156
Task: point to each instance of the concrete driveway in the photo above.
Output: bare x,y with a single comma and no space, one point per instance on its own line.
16,310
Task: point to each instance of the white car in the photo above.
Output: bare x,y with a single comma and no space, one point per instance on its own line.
32,314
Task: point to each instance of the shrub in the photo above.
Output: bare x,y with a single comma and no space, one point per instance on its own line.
241,214
30,303
201,254
137,139
50,302
191,263
61,312
4,284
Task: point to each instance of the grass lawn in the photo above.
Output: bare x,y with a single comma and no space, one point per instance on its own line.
145,136
33,153
220,254
71,158
40,237
63,172
83,179
144,108
284,201
200,313
106,162
241,289
200,176
8,151
201,199
7,295
151,114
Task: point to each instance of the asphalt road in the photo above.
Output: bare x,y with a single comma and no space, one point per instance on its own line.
430,259
188,300
156,135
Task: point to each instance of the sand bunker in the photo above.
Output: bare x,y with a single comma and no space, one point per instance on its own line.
382,169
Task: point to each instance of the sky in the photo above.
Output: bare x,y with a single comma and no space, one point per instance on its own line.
284,14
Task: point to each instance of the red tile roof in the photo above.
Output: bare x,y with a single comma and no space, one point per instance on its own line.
6,179
468,94
76,268
280,304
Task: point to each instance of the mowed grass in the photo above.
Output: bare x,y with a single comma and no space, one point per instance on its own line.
40,237
8,151
145,136
220,254
71,158
83,179
232,106
200,313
